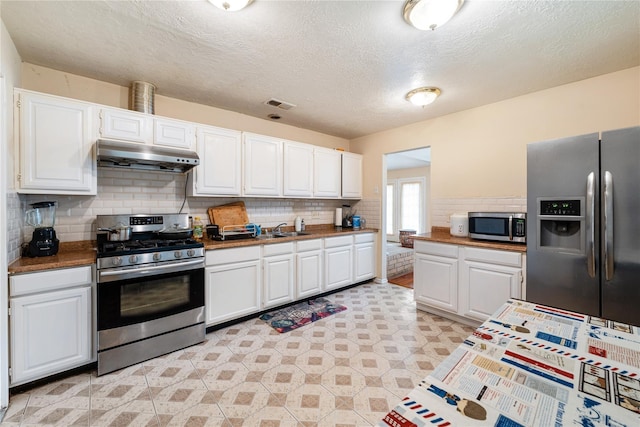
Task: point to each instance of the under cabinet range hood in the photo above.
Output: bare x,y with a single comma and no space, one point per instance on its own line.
127,155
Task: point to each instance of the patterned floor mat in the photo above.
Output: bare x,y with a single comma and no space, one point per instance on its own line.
298,315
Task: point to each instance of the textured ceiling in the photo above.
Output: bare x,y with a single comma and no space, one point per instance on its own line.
346,65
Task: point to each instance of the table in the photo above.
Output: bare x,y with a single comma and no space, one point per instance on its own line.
532,365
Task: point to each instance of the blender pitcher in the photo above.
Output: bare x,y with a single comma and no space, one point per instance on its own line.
42,215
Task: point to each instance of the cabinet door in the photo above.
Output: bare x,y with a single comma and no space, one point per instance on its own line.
298,169
351,176
309,273
232,291
55,145
220,162
126,125
364,261
262,165
278,280
173,133
327,171
338,266
50,333
485,287
436,281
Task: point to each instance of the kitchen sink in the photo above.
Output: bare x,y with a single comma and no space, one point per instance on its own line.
291,234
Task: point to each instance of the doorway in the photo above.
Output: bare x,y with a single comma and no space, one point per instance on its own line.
406,195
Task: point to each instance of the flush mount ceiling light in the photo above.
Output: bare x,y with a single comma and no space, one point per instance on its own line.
423,95
231,5
430,14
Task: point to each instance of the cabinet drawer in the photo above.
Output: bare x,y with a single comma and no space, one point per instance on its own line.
439,249
29,283
309,245
332,242
512,259
364,238
226,256
278,249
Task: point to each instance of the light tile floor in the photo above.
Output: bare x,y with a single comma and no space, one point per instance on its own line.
349,369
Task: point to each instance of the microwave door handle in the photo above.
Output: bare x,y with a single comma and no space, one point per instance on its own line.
591,231
608,225
510,227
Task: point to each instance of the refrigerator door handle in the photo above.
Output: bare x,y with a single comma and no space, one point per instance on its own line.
591,224
608,225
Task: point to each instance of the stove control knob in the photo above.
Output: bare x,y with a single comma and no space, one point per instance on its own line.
116,261
177,254
157,256
191,252
133,259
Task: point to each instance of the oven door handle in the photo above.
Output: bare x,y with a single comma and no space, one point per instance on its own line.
156,269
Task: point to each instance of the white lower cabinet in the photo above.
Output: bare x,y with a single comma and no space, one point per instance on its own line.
246,280
50,322
364,257
309,263
435,273
232,283
278,274
338,256
487,279
468,283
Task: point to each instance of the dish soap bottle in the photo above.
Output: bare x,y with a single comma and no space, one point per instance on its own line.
298,224
302,226
197,228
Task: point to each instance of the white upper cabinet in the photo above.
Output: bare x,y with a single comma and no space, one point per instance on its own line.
219,172
54,138
351,176
262,165
126,125
298,169
327,170
132,126
174,133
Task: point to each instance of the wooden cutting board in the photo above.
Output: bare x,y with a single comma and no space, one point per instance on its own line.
230,214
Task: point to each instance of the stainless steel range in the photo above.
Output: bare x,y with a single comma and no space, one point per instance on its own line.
150,281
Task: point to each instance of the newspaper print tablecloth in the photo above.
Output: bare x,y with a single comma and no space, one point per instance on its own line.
532,365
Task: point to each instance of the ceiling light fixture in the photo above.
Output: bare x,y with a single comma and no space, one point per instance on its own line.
430,14
231,5
423,95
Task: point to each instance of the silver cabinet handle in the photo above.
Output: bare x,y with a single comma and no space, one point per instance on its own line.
607,189
591,224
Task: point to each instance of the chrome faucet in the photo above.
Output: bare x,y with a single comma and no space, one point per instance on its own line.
277,229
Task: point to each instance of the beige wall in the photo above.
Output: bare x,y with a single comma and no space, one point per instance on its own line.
482,152
59,83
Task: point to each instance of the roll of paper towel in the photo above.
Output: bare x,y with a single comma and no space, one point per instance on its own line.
338,222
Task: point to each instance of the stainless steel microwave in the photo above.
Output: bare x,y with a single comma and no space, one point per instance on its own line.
499,226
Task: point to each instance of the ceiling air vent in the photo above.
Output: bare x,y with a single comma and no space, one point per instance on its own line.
279,104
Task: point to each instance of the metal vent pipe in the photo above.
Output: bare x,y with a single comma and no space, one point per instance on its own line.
141,96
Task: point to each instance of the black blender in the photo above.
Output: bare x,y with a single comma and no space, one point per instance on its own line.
42,216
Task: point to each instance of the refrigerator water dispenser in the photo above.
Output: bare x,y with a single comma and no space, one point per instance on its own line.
561,225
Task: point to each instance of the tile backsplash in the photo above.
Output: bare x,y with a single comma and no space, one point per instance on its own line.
441,209
127,192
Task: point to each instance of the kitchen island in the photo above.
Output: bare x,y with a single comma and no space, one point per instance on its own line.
532,365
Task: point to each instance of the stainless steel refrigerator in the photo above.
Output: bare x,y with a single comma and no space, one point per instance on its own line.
583,224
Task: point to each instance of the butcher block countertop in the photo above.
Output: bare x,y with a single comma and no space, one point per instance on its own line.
76,254
441,235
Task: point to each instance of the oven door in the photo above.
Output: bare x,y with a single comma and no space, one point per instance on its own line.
137,302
